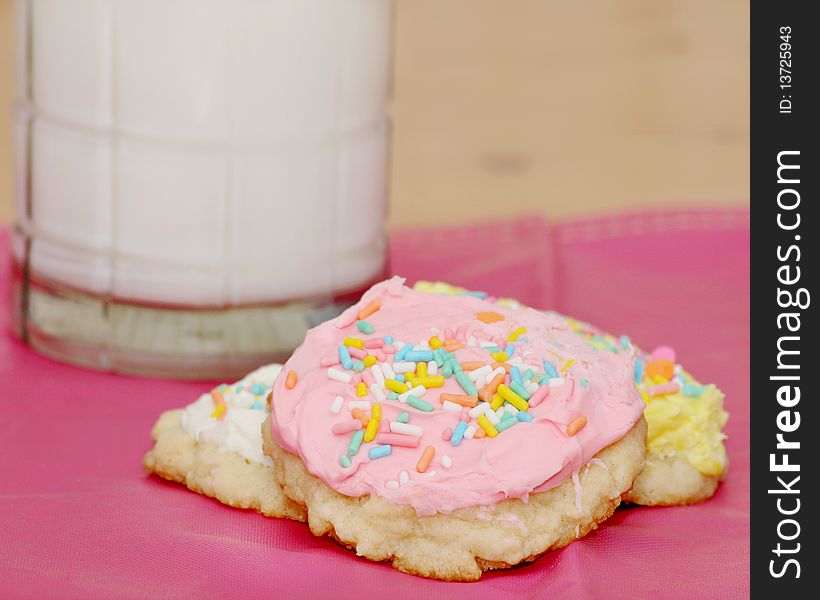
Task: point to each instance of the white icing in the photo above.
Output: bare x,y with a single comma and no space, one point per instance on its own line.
240,431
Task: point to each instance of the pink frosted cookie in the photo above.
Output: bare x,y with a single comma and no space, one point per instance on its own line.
450,435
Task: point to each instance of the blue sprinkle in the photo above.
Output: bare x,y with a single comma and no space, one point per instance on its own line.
418,355
392,396
364,327
509,350
380,451
358,366
345,460
624,341
476,294
344,357
256,405
693,391
515,375
638,371
523,339
506,424
527,375
400,377
404,350
258,389
550,370
524,416
388,340
584,382
458,433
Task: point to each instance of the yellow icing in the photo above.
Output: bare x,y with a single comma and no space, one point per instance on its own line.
688,426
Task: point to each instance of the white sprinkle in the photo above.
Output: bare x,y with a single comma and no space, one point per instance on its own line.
378,374
406,429
388,371
499,412
492,417
417,391
404,477
488,344
471,340
429,474
337,375
556,382
516,361
398,345
446,461
336,406
498,371
511,409
378,392
480,372
391,484
530,387
480,382
451,406
478,409
404,367
469,432
432,368
423,345
362,404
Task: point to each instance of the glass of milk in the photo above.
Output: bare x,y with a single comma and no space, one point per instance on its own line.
198,181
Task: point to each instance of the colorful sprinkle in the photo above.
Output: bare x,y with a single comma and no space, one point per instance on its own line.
380,451
550,370
524,416
499,356
396,386
346,427
426,459
337,375
458,433
368,310
419,404
466,384
290,380
345,460
487,426
355,443
513,398
505,424
361,389
395,439
446,461
403,417
365,327
354,341
406,429
515,334
489,317
520,390
576,425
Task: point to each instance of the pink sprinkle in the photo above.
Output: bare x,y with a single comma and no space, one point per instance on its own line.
329,361
388,349
507,379
532,360
356,352
367,377
384,426
539,395
346,427
664,353
447,434
394,439
664,388
380,356
374,343
461,333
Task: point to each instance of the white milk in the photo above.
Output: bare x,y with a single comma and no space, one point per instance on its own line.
204,152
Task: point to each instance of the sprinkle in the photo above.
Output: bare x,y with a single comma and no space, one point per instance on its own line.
417,391
257,389
391,484
358,413
478,434
358,366
355,443
491,416
454,346
387,369
395,386
576,425
290,381
421,369
509,408
419,404
403,417
219,411
344,357
505,424
361,389
368,310
509,350
510,396
499,356
469,432
567,365
404,367
369,360
663,367
663,389
365,327
524,416
466,384
538,397
392,396
346,427
345,460
404,350
520,390
507,414
388,339
451,406
426,459
404,477
419,355
487,426
489,317
458,433
447,434
406,429
550,370
488,391
446,461
515,334
462,399
484,371
502,365
380,451
376,411
556,382
496,402
624,341
447,369
374,343
378,392
516,375
693,391
353,341
435,343
394,439
431,381
432,368
337,375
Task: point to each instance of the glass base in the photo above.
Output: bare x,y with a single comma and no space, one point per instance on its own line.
168,342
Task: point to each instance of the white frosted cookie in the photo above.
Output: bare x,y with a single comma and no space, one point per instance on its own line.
686,458
451,435
214,447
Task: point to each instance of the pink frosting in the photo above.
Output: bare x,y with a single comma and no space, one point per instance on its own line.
529,457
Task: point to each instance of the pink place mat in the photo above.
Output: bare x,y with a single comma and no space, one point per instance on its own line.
79,519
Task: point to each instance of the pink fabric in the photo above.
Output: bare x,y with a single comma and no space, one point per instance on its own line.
79,519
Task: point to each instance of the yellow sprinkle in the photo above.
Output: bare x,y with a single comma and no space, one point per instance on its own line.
567,365
371,430
219,412
361,389
355,342
435,343
513,398
573,324
369,360
515,334
488,427
659,379
499,356
431,381
421,369
496,402
395,386
376,411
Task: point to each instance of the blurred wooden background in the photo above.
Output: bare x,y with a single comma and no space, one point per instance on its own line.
567,109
